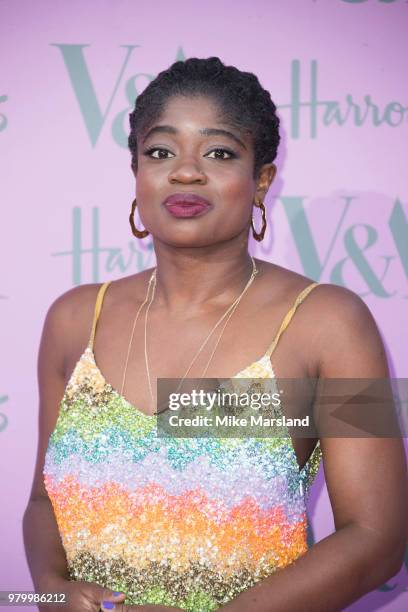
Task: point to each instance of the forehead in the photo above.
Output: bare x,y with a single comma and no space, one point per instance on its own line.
197,116
200,106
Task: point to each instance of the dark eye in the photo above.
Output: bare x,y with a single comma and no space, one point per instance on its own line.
153,149
230,153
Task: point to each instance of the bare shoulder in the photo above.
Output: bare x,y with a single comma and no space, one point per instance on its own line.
330,305
340,308
74,297
73,306
346,337
67,322
336,305
334,323
69,317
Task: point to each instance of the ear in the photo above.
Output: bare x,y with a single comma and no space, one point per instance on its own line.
266,176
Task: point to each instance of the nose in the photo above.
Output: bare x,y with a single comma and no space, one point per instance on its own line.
187,171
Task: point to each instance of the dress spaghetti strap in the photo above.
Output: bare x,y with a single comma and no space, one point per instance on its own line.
98,306
287,318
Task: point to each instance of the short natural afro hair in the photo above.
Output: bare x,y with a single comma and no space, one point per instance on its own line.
241,100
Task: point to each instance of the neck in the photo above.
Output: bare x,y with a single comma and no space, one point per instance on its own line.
188,279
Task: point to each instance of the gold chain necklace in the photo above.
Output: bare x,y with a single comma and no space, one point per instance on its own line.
228,313
133,331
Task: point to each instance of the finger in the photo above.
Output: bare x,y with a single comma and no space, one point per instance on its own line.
109,598
110,606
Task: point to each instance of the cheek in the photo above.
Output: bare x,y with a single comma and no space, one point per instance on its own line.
237,192
149,186
241,193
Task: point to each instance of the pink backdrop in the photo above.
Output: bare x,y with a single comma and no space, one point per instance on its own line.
338,211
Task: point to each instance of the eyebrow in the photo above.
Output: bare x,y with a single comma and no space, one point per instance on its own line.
169,129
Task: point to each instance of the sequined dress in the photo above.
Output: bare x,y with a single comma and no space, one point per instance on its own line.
185,522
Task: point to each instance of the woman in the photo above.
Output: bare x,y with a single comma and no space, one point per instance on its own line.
122,518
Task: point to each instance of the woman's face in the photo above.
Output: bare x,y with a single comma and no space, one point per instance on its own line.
176,157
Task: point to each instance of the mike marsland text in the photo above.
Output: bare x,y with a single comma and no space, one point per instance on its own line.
254,420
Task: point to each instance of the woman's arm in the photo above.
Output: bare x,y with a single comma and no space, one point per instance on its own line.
45,554
366,480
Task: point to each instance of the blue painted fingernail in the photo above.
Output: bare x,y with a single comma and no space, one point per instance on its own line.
108,604
116,593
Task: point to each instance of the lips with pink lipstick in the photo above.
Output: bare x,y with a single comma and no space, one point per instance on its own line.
186,205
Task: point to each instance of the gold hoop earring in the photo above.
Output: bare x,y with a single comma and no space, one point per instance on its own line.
261,234
135,231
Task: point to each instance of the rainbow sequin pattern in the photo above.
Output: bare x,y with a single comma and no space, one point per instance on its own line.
185,522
